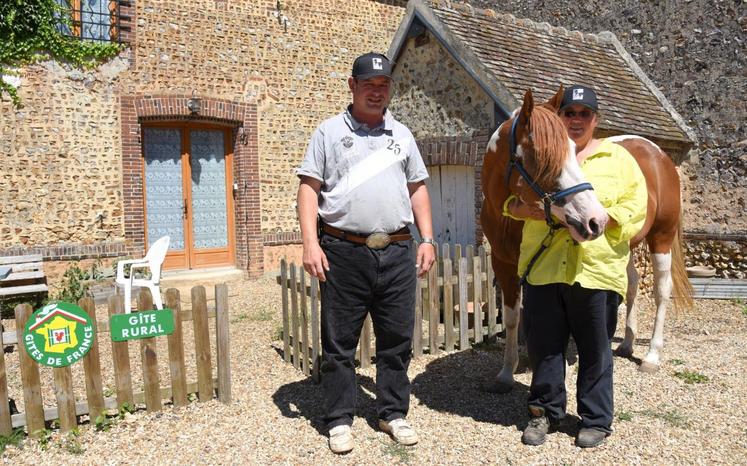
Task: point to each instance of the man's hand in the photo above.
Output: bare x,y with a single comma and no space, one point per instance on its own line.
520,210
426,257
315,261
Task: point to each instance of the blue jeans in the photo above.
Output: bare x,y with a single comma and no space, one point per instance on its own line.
553,312
362,280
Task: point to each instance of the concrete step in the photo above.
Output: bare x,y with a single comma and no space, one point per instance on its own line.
184,280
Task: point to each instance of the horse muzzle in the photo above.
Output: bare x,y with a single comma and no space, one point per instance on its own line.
588,232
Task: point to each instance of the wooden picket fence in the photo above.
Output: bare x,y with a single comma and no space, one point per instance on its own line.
67,410
439,323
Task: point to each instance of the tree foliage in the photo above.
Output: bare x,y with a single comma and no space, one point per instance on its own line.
30,31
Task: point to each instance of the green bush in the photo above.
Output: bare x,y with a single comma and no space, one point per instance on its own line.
29,31
76,281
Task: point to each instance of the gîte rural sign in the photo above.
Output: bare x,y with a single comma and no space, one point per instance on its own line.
59,334
144,324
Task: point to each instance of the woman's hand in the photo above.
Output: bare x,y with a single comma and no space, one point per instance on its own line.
521,210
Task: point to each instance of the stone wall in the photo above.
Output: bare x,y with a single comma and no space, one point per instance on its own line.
61,154
434,96
295,70
60,179
727,257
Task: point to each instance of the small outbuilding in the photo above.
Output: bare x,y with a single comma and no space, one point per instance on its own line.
460,71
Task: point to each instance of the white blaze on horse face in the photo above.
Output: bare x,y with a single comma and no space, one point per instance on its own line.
581,210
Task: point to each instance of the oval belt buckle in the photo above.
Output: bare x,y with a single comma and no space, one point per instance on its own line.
378,241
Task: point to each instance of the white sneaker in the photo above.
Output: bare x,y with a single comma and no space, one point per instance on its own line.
400,431
341,439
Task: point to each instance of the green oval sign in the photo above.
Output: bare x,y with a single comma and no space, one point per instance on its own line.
59,334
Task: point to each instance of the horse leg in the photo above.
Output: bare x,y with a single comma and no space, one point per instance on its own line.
511,305
625,350
662,294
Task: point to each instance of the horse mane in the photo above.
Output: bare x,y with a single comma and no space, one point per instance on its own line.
550,145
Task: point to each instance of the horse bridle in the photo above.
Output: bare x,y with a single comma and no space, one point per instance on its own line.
548,199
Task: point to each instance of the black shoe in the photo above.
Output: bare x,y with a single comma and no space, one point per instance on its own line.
536,432
590,438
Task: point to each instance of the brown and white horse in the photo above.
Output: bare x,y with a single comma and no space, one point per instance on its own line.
539,141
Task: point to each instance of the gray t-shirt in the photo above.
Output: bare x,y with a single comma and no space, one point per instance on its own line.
364,173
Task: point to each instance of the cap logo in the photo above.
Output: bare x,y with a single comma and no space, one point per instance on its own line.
376,63
578,94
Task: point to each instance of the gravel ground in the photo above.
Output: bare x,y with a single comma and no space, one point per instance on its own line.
275,416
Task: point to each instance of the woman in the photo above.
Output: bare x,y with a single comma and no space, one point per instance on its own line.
575,288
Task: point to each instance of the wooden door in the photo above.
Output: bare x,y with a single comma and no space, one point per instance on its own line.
188,193
452,192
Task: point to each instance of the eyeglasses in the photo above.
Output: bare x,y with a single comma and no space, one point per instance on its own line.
583,114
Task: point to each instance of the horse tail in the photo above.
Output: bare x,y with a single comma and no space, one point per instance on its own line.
682,288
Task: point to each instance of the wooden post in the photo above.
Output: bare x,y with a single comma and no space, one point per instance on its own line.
121,358
417,334
457,256
202,344
149,358
304,325
294,318
490,295
446,253
284,299
316,356
463,322
477,286
92,366
32,399
448,306
222,343
433,308
365,343
6,425
177,368
470,254
63,392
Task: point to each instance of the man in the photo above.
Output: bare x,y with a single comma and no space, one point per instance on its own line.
363,177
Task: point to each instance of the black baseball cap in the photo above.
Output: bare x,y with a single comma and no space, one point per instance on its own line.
370,65
581,95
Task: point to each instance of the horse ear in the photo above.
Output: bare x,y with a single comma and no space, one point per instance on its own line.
526,108
554,102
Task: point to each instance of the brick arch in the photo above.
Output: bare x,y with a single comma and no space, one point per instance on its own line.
136,109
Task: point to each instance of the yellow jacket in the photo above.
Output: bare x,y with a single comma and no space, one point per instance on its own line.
599,264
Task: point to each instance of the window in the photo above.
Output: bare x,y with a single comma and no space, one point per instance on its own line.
98,20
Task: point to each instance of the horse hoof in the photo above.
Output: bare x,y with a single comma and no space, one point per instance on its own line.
623,352
496,386
648,368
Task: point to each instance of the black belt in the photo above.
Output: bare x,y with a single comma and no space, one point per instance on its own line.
373,241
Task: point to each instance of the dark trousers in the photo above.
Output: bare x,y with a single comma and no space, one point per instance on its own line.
362,280
552,313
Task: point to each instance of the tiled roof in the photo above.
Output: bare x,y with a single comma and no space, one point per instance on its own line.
521,54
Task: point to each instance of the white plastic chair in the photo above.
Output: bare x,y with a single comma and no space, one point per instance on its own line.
152,260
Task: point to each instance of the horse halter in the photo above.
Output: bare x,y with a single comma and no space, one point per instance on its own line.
548,199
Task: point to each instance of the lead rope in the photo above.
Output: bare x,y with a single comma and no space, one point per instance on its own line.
545,244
